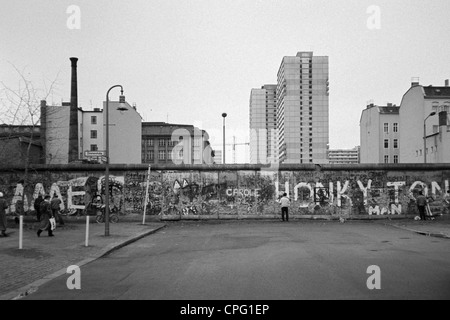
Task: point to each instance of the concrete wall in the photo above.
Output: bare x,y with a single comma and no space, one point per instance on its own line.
235,190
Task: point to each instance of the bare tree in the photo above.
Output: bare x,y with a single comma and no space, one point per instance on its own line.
20,115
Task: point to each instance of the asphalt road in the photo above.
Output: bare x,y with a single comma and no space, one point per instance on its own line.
242,260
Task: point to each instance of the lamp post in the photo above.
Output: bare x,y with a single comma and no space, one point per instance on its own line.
224,115
425,137
121,101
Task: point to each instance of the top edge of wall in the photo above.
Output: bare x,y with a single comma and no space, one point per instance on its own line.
232,167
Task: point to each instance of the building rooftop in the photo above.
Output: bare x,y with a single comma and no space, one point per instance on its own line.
432,91
389,110
165,124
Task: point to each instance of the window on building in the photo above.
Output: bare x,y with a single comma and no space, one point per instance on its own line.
93,134
386,127
93,119
151,155
395,143
169,155
395,159
395,127
94,147
162,142
161,154
386,143
386,159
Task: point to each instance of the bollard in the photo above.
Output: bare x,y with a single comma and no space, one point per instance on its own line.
87,231
20,232
146,194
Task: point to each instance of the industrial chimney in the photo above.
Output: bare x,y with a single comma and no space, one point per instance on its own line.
73,122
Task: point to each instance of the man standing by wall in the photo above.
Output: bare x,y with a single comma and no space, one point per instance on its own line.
285,203
3,207
421,204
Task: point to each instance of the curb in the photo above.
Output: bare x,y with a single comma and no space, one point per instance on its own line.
33,287
424,233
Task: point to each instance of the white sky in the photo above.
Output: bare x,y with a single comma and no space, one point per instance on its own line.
192,60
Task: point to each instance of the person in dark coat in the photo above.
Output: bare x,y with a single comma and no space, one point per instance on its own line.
37,207
421,204
55,203
3,207
46,214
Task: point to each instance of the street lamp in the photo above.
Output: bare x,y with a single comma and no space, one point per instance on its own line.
224,115
121,108
425,137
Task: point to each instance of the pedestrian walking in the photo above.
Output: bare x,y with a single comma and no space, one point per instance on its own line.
285,202
46,214
55,204
37,207
422,202
3,207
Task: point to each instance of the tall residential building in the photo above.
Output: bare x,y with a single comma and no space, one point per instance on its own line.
415,109
344,156
167,143
379,134
263,124
302,109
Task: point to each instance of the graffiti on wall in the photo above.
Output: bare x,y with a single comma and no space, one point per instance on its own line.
76,194
234,192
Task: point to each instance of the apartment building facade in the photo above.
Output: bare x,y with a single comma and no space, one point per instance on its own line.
302,109
424,114
263,125
380,134
166,143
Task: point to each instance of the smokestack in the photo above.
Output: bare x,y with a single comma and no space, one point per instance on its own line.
73,122
447,82
74,85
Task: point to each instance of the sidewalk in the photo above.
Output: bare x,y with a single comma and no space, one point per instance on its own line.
440,227
45,258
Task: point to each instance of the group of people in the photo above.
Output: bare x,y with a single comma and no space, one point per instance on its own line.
45,210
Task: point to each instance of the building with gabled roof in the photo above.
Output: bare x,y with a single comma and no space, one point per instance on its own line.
424,113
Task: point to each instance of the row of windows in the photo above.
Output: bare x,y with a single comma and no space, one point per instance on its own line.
433,149
386,159
165,141
386,127
386,143
162,155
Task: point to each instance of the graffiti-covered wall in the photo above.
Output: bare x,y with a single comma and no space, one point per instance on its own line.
231,190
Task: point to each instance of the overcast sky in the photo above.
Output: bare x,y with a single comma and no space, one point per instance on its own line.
190,61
